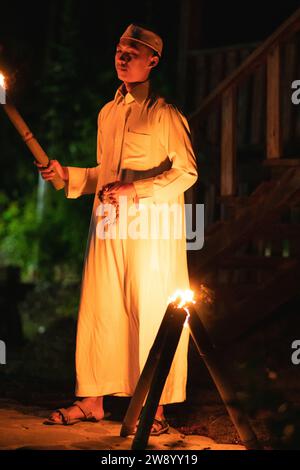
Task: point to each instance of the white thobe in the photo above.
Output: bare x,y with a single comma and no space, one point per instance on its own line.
126,282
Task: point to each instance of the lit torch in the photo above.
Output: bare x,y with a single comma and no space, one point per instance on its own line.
26,133
158,365
181,311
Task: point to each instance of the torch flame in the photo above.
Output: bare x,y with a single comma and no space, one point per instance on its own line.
183,298
2,80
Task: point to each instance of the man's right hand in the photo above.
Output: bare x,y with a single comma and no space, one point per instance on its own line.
53,168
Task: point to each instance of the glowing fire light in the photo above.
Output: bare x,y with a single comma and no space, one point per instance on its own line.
2,80
183,298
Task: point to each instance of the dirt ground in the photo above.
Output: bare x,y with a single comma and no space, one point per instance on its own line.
39,377
22,428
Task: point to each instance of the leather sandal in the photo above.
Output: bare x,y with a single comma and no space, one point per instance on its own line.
160,426
66,420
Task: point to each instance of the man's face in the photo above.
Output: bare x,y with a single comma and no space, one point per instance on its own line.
133,61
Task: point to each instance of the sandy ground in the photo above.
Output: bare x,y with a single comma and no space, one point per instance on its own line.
21,427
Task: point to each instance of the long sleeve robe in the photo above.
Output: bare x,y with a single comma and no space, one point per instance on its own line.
126,282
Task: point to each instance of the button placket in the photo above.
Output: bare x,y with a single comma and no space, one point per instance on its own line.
127,109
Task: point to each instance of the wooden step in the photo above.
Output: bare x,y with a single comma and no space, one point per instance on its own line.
282,286
232,291
237,232
213,228
262,189
282,162
279,231
253,262
235,205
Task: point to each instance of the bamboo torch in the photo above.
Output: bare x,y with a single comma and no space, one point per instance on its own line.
26,134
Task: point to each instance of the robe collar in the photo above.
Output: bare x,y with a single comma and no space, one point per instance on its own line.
139,93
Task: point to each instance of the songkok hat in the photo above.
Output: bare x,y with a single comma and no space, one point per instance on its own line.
144,36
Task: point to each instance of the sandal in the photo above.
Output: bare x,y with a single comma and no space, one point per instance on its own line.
160,426
66,420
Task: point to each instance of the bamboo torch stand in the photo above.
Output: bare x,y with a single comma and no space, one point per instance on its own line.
156,370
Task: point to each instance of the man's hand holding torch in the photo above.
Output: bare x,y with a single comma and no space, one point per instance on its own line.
53,168
55,173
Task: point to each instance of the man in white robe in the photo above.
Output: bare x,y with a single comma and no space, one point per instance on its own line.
145,158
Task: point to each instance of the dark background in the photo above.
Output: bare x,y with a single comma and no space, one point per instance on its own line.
59,59
93,28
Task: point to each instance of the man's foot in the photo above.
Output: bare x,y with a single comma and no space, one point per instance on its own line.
88,409
159,426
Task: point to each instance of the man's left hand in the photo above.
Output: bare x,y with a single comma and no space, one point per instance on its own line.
120,189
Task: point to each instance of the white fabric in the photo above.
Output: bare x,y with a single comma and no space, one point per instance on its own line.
126,283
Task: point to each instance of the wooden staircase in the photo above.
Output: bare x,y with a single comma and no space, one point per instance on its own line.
252,261
251,253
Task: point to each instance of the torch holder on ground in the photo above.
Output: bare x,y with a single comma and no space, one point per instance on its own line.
156,369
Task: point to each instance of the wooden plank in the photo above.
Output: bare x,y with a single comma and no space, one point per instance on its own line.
252,262
284,162
190,84
288,75
280,231
273,104
243,107
201,79
257,307
212,50
258,105
216,72
228,143
238,231
209,204
231,60
182,52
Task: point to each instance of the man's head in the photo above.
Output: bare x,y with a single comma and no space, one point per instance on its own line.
138,51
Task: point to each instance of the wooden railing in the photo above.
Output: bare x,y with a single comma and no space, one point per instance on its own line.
265,66
207,68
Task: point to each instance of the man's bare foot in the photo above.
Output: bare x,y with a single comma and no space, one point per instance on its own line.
160,413
94,405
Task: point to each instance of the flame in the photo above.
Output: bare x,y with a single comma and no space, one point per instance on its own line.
2,80
183,298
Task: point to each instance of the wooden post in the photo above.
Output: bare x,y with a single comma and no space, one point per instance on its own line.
289,73
258,106
184,12
201,77
273,104
146,377
244,105
214,78
228,143
216,368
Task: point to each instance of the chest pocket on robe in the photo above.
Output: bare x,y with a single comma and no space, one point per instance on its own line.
137,145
